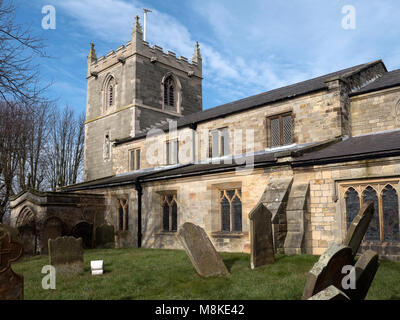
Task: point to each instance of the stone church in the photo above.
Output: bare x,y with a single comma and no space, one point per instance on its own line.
311,152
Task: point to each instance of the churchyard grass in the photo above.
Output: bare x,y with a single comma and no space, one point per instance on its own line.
169,274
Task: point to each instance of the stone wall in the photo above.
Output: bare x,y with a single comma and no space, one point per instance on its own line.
375,111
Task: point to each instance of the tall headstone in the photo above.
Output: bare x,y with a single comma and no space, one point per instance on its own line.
11,250
328,270
201,251
358,227
261,241
365,269
66,254
105,236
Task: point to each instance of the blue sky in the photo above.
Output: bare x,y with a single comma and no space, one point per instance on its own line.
248,47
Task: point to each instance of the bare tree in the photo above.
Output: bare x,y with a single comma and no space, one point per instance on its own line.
65,155
18,49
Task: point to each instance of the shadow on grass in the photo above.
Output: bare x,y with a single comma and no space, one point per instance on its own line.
231,262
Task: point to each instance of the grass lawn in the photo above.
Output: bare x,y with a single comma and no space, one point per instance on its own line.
169,274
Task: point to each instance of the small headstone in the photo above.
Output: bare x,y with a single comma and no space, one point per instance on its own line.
358,227
11,250
66,254
330,293
97,267
201,251
365,269
105,236
261,241
328,270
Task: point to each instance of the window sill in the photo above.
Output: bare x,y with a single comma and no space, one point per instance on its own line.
231,235
166,233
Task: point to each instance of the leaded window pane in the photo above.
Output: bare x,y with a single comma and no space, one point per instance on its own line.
287,124
372,233
390,208
237,214
230,193
137,159
352,205
226,215
121,218
127,218
174,217
165,216
275,132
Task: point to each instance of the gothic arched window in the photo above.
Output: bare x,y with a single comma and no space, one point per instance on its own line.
169,213
372,233
231,210
109,99
390,207
352,205
169,92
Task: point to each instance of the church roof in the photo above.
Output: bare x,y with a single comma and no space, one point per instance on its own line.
291,91
388,80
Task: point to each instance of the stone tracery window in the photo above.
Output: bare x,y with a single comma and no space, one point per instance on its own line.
384,225
169,212
231,210
123,214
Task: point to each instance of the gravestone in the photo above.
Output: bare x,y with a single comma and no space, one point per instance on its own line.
358,227
11,250
201,251
365,269
261,241
66,254
97,267
328,270
105,236
330,293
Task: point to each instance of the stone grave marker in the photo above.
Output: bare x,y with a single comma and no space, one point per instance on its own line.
365,268
261,239
330,293
66,254
201,251
105,236
11,250
358,227
328,270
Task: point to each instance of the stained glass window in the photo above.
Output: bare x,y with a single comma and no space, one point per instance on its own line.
352,205
390,207
372,233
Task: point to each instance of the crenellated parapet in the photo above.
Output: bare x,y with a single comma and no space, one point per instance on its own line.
155,54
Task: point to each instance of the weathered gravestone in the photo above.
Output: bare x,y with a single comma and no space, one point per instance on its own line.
261,241
11,284
105,236
358,227
66,254
365,270
330,293
201,251
328,270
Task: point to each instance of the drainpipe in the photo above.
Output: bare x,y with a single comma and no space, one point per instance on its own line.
139,191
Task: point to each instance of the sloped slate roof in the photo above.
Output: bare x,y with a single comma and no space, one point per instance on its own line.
388,80
258,100
361,147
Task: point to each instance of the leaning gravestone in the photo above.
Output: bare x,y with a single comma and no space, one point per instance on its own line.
201,251
365,269
358,227
330,293
328,270
105,236
66,254
261,243
11,250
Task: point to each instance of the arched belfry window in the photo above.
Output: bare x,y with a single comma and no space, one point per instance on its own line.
109,92
169,92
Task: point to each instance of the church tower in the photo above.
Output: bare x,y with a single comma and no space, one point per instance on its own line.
131,89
